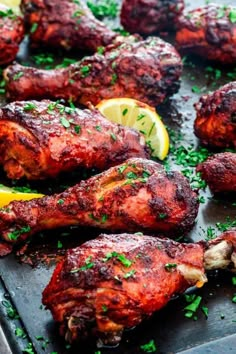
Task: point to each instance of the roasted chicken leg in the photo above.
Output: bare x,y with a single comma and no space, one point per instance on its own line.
209,32
148,71
136,195
67,24
41,139
149,16
219,171
11,34
215,123
113,282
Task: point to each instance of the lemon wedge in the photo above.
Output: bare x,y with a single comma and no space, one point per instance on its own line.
140,116
8,195
13,4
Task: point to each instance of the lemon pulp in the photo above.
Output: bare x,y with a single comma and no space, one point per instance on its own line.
140,116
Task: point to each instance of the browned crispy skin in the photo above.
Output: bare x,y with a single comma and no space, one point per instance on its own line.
11,34
215,123
136,195
209,32
41,139
66,24
149,16
148,71
219,171
115,281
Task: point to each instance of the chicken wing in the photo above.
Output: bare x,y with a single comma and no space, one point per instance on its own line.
114,282
215,123
209,32
148,71
219,171
41,139
11,34
149,16
136,195
66,24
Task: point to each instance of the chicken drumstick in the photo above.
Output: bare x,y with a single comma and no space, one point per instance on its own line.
149,16
219,171
136,195
11,34
148,71
41,139
215,123
209,32
113,282
67,24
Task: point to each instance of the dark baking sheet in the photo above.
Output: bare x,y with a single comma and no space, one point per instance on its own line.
21,285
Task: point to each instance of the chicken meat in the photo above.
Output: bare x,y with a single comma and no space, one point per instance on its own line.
209,32
219,171
76,28
134,196
40,139
148,71
215,124
115,281
11,34
150,16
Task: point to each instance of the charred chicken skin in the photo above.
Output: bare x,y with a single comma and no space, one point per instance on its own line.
148,71
11,34
209,32
42,139
115,281
149,16
66,24
219,171
136,195
215,123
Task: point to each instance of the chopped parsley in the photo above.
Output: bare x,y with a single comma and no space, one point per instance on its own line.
104,8
104,308
64,121
120,257
29,106
77,129
11,312
129,274
34,27
194,303
15,234
85,70
170,266
87,265
113,136
18,75
232,16
125,111
149,347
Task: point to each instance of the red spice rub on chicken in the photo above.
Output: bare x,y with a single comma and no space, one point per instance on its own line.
115,281
210,32
219,171
136,195
40,139
149,16
67,24
148,71
215,124
11,34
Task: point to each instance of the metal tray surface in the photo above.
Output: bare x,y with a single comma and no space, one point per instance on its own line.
21,285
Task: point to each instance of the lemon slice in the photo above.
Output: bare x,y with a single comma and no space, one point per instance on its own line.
13,4
140,116
8,195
